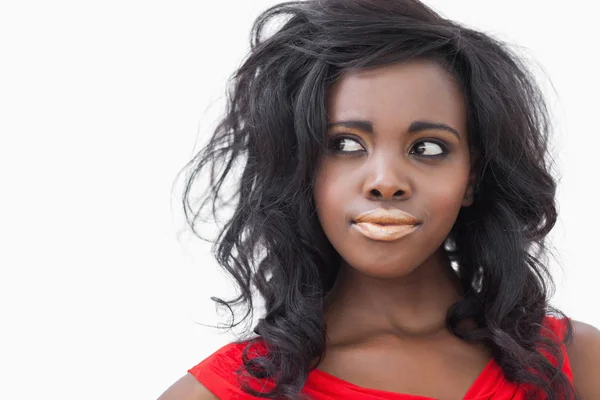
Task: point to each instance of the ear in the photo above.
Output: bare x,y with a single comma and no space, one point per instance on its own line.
470,192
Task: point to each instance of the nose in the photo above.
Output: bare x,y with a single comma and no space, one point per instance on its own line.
388,179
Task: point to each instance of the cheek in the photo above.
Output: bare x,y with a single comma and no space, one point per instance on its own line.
448,195
444,196
322,189
330,195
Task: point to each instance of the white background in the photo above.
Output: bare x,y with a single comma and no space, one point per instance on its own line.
101,104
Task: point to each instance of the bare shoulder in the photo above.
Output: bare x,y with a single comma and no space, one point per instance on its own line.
187,388
584,356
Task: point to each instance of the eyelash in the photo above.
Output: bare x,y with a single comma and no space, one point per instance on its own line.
334,142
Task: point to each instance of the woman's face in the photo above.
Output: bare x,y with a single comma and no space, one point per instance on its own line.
397,143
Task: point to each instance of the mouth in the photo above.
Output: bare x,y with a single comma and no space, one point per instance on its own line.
386,225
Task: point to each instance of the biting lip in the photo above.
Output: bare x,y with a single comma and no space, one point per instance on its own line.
386,224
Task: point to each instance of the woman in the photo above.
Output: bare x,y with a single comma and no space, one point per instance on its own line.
392,213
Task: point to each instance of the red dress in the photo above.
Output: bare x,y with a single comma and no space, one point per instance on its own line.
217,374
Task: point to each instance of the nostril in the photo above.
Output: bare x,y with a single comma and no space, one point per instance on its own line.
377,193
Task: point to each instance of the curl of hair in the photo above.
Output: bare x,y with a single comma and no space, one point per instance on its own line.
274,128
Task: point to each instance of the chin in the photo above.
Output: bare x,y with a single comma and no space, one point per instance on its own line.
383,269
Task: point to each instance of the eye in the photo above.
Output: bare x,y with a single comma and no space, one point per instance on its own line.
429,149
345,145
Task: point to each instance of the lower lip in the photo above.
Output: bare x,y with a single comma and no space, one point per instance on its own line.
386,233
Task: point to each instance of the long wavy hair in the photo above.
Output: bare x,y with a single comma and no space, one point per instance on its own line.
268,143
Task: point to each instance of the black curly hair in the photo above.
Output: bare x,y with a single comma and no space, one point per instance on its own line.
273,134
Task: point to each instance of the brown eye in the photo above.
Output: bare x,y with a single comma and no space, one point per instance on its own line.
429,148
345,145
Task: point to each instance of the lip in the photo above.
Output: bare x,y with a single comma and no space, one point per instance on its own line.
386,224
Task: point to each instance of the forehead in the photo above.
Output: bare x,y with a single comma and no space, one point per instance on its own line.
398,94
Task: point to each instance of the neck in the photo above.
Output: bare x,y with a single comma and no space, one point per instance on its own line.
414,305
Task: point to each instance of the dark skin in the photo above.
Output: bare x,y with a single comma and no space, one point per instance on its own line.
386,314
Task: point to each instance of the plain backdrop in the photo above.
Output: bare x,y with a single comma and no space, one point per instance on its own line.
102,104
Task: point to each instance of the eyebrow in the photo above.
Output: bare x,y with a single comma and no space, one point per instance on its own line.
414,127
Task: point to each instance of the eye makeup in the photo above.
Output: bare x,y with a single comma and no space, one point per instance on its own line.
345,144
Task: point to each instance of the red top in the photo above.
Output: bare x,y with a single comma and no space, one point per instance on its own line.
217,374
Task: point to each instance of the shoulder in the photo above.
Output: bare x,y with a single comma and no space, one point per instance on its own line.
217,376
187,388
584,356
222,364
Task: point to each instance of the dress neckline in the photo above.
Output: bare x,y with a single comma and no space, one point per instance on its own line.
476,390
